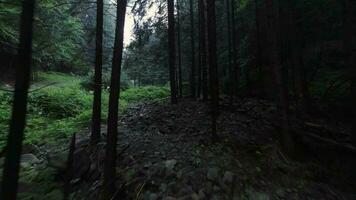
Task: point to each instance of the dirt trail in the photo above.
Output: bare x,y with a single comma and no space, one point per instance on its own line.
166,153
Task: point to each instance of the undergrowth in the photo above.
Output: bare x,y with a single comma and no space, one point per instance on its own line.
64,107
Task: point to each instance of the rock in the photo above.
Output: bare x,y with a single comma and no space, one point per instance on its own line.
169,198
81,163
213,174
202,194
228,177
280,193
170,165
258,195
54,195
30,148
153,196
195,196
28,160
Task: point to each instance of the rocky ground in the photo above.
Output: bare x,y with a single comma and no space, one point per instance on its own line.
165,152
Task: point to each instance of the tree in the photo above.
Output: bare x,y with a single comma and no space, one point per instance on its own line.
192,43
279,77
229,45
96,118
18,119
349,30
213,65
203,49
110,154
179,50
171,46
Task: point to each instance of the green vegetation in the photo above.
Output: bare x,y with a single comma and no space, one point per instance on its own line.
63,108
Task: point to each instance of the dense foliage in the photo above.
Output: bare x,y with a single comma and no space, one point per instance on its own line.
57,111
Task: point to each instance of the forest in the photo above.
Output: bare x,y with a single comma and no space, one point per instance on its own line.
177,99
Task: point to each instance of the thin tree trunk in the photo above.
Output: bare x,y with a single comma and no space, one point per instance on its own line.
180,84
236,63
229,46
18,119
171,44
279,77
192,45
96,117
349,20
110,154
203,49
213,66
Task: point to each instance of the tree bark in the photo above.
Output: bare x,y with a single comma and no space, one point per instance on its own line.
236,64
171,46
180,83
203,48
279,78
192,45
213,65
349,20
229,47
96,117
18,119
110,154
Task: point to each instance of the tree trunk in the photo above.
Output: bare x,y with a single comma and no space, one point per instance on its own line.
203,48
349,20
110,154
171,44
192,45
96,117
229,47
236,63
279,77
213,66
18,119
180,84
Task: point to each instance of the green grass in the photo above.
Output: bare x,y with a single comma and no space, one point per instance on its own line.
63,108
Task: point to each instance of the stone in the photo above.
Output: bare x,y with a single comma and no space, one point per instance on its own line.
153,196
228,177
195,196
28,160
54,195
213,174
170,164
201,194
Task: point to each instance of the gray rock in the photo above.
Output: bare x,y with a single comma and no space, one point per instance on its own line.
195,196
153,196
28,160
170,164
54,195
228,177
213,174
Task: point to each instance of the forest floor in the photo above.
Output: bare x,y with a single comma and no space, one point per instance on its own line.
165,152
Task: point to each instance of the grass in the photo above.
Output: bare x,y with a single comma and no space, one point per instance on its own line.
57,111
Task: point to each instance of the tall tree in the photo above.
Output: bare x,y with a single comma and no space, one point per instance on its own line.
96,117
280,84
179,52
349,19
110,154
18,119
203,48
213,65
172,51
192,44
235,46
229,47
